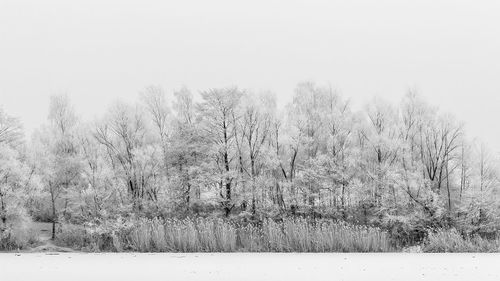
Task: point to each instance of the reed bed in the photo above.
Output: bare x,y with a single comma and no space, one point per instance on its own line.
218,235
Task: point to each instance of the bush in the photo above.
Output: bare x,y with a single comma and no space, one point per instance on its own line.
15,233
72,236
110,236
450,240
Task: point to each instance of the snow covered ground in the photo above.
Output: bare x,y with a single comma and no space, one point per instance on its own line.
239,266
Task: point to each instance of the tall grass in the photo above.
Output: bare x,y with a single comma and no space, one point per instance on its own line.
450,240
217,235
323,236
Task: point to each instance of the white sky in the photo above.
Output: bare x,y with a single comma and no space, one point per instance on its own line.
98,51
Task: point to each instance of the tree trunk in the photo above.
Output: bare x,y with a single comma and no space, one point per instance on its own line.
342,198
4,218
53,215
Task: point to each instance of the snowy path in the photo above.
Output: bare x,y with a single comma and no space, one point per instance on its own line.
238,266
44,233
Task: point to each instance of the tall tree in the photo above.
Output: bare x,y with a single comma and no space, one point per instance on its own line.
124,135
218,108
59,163
256,125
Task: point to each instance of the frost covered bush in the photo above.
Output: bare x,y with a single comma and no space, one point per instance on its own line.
72,236
15,231
111,236
450,240
412,229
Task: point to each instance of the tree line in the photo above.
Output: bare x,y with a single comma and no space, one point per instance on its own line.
233,153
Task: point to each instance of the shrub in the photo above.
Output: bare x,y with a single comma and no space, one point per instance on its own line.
450,240
72,236
15,233
110,236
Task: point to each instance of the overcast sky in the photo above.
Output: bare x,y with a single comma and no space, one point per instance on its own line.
98,51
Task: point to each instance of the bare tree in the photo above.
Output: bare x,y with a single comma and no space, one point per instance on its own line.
156,104
124,135
257,121
439,141
218,107
10,129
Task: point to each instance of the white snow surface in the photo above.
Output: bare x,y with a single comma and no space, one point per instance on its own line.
248,266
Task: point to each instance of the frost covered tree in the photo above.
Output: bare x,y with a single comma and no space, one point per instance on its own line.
236,153
189,151
218,108
133,155
58,161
